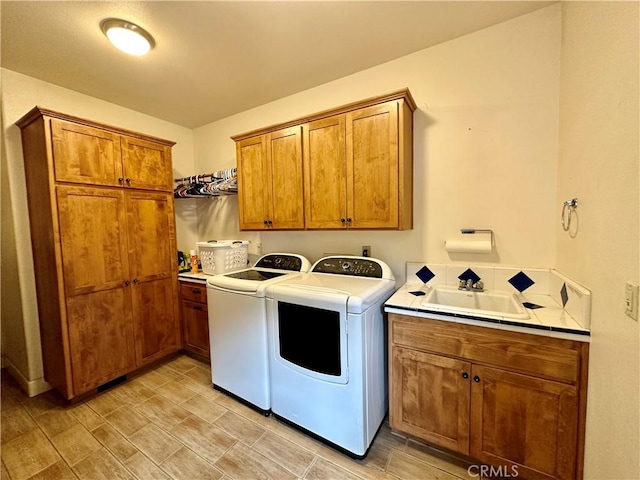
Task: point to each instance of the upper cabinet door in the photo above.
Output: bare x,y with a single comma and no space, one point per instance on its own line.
325,173
253,185
284,160
85,154
146,165
372,166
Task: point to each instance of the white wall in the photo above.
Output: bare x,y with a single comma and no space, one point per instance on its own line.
485,147
599,155
20,331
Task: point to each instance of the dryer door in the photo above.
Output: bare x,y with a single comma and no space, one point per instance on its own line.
308,330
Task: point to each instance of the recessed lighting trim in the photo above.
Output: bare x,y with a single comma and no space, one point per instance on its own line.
127,36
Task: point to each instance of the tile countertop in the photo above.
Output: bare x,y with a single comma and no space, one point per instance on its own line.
551,320
193,277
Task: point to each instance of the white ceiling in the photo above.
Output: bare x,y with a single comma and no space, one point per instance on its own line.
216,58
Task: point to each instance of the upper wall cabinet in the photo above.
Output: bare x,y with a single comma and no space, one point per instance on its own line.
89,155
270,181
356,163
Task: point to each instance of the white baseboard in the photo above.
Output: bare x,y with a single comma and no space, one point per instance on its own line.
30,387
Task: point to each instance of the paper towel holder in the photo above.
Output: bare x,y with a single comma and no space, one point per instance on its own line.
471,231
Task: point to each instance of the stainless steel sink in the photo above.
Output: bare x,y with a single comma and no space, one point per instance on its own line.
491,303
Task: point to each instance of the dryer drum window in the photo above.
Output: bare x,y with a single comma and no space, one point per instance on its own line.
310,337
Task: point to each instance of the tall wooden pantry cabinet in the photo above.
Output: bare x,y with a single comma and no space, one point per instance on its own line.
103,240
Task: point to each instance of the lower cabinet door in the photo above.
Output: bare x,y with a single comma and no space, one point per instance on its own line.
156,319
195,328
523,424
430,398
101,337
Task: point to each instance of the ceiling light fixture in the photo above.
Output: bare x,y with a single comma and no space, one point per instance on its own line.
127,36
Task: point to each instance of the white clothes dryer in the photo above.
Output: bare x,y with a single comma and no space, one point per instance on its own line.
327,350
238,326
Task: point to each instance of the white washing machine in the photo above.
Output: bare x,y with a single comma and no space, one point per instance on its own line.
327,350
238,326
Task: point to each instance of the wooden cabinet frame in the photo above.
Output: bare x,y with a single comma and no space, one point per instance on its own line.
103,241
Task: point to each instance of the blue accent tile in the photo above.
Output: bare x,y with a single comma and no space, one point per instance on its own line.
564,295
469,274
425,274
531,306
521,281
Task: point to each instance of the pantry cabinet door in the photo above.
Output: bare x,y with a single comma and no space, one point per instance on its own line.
146,165
92,229
284,160
154,289
430,398
156,319
253,183
372,166
83,154
524,422
325,173
101,337
151,235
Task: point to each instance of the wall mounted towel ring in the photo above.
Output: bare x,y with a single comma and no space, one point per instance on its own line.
567,210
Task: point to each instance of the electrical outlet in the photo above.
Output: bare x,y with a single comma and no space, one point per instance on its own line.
631,300
366,250
258,249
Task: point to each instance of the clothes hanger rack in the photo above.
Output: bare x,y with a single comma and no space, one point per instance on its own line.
215,184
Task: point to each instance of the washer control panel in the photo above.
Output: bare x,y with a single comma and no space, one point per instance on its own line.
281,262
358,267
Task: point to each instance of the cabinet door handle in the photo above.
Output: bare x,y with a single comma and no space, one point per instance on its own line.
342,220
265,222
120,180
128,180
270,222
196,291
348,219
465,375
197,307
476,379
135,280
126,283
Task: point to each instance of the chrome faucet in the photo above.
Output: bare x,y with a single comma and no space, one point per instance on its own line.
470,286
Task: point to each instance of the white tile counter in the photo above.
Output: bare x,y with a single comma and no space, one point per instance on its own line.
543,302
551,320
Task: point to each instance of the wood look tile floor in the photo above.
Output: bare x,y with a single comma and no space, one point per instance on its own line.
168,423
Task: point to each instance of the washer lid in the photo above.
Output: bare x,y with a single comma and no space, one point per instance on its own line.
253,281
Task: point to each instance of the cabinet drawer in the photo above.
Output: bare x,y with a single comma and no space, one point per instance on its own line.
548,357
194,292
